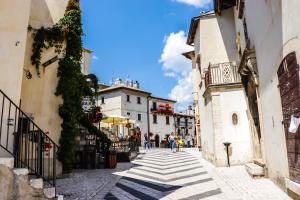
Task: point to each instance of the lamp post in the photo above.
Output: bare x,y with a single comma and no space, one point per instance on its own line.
227,144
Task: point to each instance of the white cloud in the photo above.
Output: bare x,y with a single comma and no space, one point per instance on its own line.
196,3
182,92
94,57
178,67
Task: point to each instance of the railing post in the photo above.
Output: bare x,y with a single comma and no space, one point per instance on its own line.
54,167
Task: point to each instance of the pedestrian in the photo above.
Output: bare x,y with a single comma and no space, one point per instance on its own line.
171,141
146,141
179,143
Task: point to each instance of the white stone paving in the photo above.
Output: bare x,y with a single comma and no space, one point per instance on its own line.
161,174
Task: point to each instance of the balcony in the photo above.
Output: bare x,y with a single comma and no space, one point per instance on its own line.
222,74
183,124
163,109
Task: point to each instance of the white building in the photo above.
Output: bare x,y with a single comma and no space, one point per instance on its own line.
268,44
263,38
217,85
151,114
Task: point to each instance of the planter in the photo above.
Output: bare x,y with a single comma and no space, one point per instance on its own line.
111,159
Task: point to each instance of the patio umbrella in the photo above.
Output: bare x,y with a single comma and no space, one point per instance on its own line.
115,120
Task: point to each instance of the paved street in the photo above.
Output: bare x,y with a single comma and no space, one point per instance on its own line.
161,174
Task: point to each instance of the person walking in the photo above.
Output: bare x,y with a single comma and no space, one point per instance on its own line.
146,141
179,143
171,141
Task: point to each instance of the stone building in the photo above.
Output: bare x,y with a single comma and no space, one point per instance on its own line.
265,41
218,87
148,113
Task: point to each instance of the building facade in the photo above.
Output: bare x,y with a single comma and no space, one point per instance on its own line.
263,40
218,87
149,114
269,52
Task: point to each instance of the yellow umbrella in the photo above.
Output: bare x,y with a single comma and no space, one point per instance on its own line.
115,120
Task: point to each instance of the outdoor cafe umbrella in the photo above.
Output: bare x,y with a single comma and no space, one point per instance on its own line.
114,120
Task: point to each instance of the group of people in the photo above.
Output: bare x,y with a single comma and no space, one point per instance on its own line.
175,142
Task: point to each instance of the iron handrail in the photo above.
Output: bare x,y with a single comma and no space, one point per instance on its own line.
26,142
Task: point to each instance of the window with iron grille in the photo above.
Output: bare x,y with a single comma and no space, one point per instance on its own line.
139,117
167,120
154,119
138,99
128,98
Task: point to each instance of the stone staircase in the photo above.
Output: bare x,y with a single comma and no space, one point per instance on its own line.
256,169
17,184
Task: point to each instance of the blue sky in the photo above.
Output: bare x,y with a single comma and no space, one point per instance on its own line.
142,39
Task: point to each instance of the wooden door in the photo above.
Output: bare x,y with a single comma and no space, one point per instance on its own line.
289,86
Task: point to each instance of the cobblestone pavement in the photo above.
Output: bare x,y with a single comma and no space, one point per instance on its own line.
161,174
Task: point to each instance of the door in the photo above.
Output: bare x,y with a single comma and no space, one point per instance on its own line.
157,141
288,76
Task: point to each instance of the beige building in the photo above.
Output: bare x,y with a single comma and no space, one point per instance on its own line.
270,71
218,90
149,113
265,38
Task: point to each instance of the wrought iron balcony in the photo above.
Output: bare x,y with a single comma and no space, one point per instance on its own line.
222,74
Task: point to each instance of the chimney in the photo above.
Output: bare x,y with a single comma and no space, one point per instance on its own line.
136,85
118,81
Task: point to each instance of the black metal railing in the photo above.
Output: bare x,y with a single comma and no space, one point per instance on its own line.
26,142
222,73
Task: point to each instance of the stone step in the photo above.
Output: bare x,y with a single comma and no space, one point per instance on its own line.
259,162
21,171
49,192
255,170
8,162
36,183
59,197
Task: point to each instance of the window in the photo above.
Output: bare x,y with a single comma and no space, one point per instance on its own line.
102,100
128,98
139,117
235,119
167,120
154,119
138,99
154,105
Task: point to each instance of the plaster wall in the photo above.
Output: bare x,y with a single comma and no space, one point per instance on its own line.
161,128
197,80
232,102
112,103
85,66
38,93
14,17
135,109
217,39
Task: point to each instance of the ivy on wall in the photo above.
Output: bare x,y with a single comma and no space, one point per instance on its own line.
72,86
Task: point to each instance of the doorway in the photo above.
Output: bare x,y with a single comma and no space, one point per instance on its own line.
288,77
156,141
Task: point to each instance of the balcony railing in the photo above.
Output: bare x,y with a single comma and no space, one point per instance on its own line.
222,73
